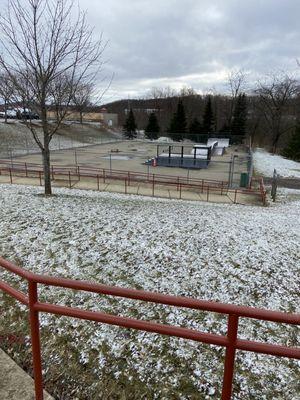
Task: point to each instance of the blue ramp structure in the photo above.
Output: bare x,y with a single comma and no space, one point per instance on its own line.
189,156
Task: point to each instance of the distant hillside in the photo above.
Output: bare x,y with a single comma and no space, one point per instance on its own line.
163,107
194,104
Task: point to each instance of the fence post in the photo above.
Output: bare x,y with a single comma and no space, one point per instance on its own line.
35,341
128,178
26,173
103,175
98,183
232,330
70,183
153,182
180,187
202,185
235,193
40,177
10,176
52,172
125,180
78,172
222,189
207,192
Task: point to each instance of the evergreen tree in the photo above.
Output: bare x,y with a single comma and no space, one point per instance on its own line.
292,150
208,117
129,128
195,126
152,128
239,121
195,129
178,125
226,129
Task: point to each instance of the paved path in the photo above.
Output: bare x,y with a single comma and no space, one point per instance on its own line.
15,384
143,189
290,183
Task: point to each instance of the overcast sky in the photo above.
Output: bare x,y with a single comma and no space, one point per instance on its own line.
193,43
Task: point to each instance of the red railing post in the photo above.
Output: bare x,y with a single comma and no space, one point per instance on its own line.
232,332
35,341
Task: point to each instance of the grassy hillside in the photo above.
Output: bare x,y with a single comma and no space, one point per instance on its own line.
15,137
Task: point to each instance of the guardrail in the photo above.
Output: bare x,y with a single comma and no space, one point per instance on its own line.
231,341
68,174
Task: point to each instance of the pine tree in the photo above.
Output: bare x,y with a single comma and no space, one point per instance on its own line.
195,129
152,128
195,126
239,121
292,150
226,129
178,125
129,128
208,117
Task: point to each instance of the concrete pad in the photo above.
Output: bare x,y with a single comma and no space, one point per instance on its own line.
145,191
15,384
132,189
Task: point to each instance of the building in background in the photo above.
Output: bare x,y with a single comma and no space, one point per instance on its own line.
93,114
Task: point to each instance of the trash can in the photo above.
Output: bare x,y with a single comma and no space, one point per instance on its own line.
244,179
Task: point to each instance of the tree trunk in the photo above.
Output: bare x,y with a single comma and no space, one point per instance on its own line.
46,151
46,165
5,111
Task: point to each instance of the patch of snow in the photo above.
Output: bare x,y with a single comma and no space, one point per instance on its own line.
265,163
227,253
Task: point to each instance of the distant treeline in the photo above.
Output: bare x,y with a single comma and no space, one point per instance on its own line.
268,115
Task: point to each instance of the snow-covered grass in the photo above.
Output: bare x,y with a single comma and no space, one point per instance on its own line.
265,163
232,254
16,139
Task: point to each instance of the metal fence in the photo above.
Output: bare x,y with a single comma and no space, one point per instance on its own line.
71,176
231,341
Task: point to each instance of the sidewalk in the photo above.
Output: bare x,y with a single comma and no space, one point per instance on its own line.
15,384
142,189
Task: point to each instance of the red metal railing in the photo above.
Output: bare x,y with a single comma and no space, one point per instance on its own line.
231,341
69,174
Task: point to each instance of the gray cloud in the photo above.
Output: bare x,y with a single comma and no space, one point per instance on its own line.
193,42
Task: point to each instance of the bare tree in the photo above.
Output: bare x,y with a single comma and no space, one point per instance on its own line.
82,98
237,86
6,92
275,95
44,42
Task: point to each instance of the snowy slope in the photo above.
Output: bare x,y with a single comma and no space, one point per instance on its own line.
234,254
265,163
